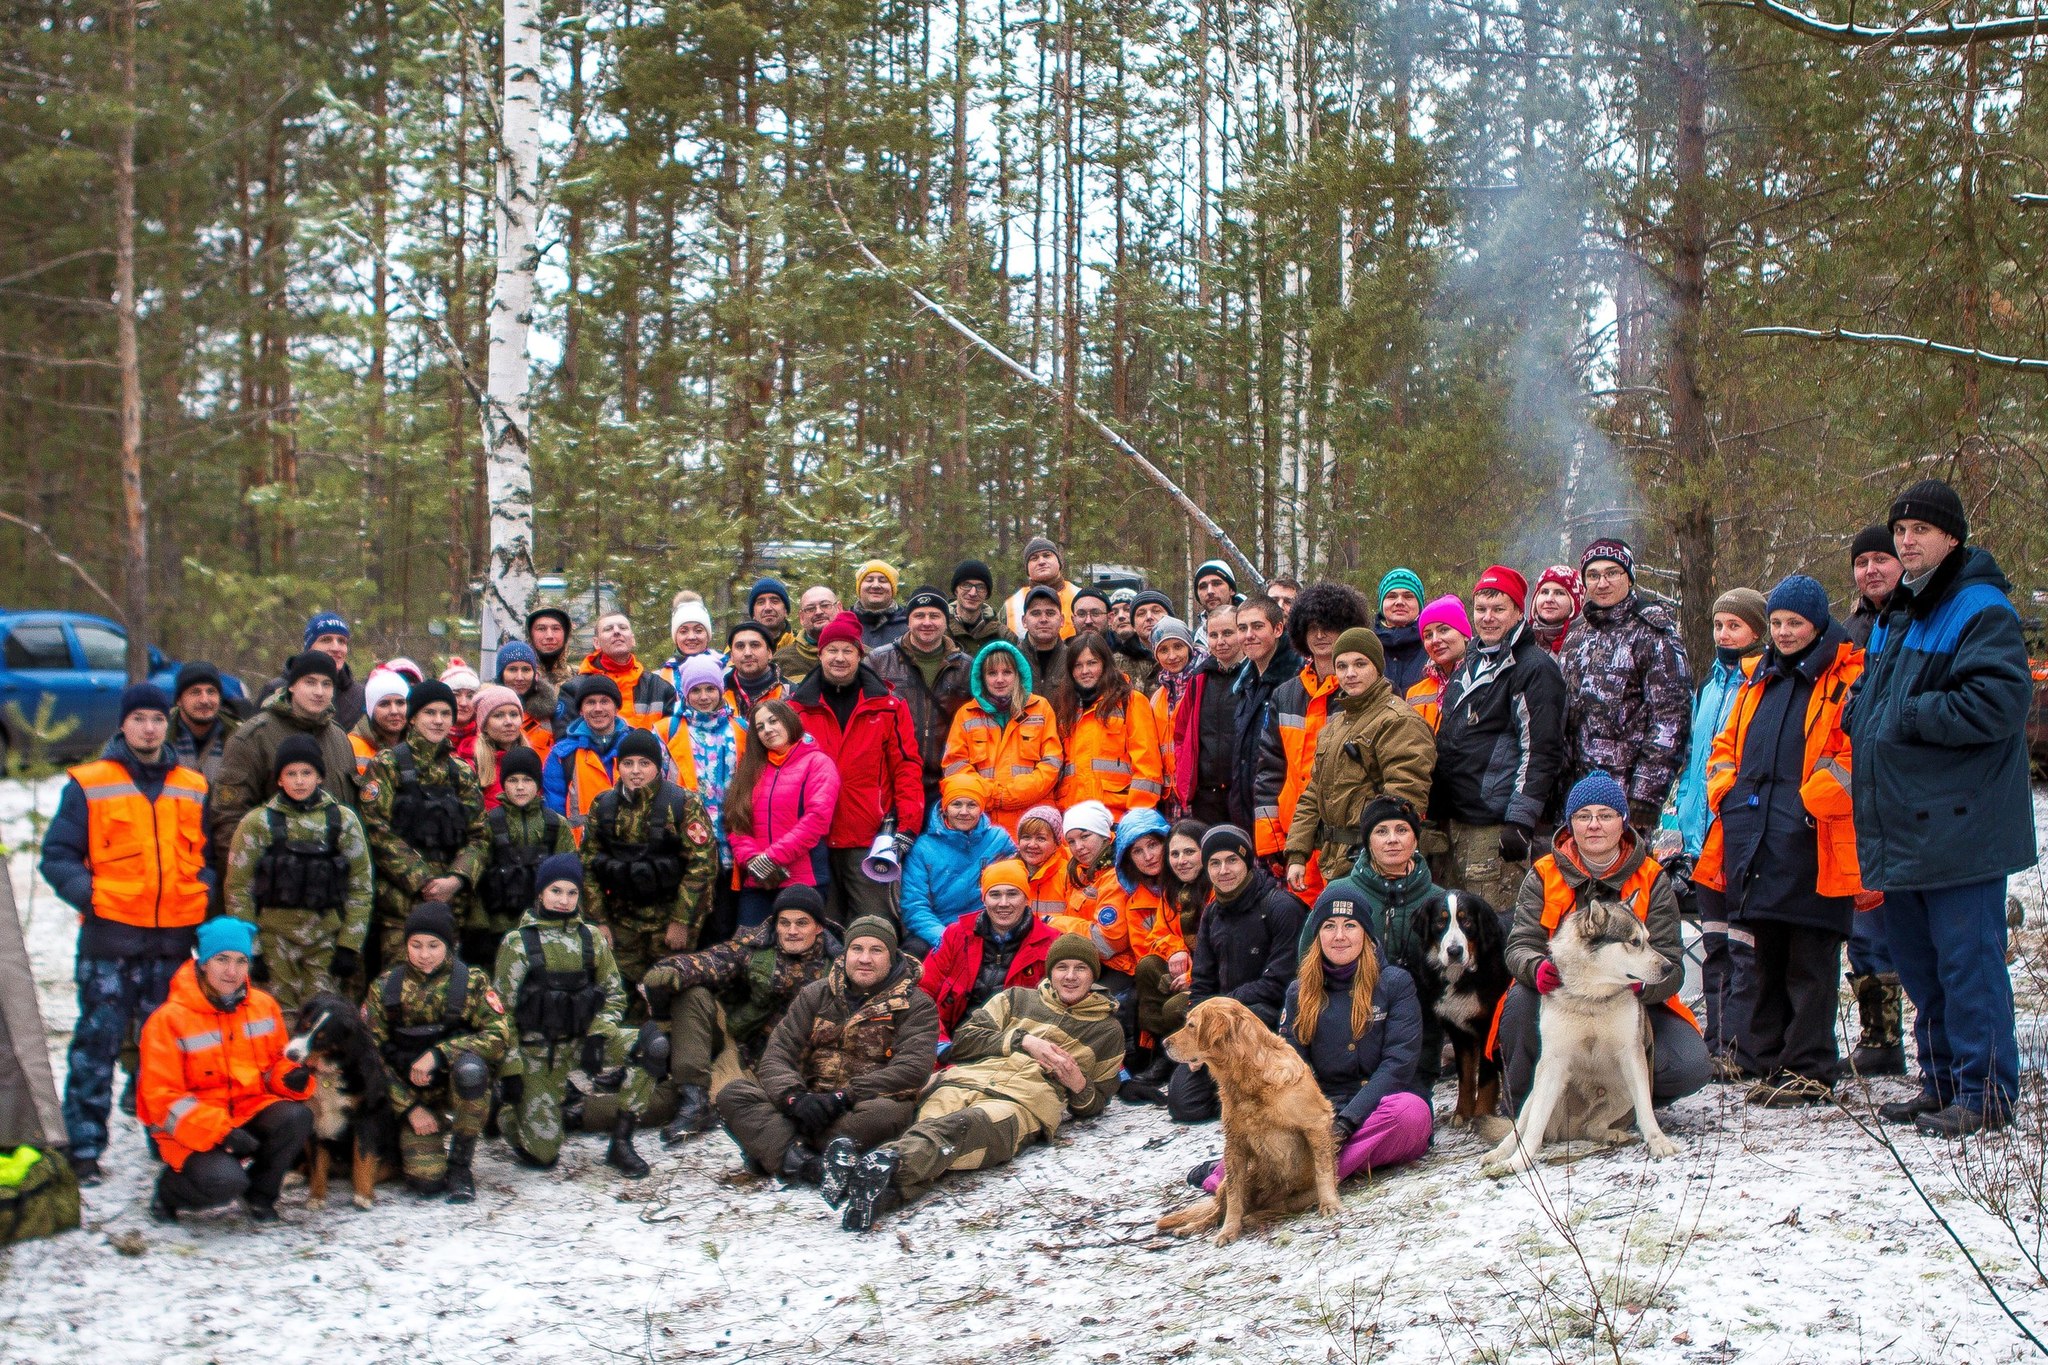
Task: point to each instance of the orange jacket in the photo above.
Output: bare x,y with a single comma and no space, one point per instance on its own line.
1825,791
646,697
145,856
1135,924
1113,759
1298,731
1049,886
206,1070
1427,697
1084,898
1020,760
540,736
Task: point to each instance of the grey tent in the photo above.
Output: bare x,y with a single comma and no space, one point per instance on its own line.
29,1113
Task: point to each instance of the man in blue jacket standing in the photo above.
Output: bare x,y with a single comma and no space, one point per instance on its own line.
1938,728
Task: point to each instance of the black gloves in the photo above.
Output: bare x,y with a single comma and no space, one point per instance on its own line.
813,1111
296,1078
1514,843
259,970
345,963
240,1142
512,1089
1341,1131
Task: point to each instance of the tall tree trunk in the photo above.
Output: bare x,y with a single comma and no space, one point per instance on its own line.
1691,443
135,559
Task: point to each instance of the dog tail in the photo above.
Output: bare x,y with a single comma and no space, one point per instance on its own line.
1492,1127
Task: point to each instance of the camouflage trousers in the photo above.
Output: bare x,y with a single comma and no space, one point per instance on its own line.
637,946
700,1053
959,1130
1474,865
297,948
425,1156
115,994
534,1125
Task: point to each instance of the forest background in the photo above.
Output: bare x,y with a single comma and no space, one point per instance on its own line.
1434,282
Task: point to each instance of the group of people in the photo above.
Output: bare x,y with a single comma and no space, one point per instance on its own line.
899,889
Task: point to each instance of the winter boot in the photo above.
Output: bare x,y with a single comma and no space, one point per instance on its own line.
800,1165
693,1114
1880,1006
872,1192
841,1157
1957,1122
461,1184
620,1154
1908,1111
87,1170
161,1209
261,1210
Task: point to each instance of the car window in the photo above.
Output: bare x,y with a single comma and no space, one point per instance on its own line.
37,646
105,649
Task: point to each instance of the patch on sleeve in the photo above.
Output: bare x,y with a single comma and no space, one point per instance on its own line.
491,994
366,792
698,832
1106,915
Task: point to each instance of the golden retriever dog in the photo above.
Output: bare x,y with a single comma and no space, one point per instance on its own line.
1278,1157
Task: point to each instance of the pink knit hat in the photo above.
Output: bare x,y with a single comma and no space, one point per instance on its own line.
1447,610
489,698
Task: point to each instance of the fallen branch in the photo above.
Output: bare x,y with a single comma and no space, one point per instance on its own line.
68,562
2011,362
1946,33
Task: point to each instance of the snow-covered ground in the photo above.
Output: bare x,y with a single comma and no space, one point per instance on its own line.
1773,1238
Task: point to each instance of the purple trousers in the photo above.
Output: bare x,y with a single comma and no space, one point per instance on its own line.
1397,1131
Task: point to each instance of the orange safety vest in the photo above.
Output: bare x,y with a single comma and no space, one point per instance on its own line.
1020,760
1560,900
1825,791
1114,759
364,752
539,735
630,709
145,856
1298,742
1013,610
588,780
1162,726
1133,925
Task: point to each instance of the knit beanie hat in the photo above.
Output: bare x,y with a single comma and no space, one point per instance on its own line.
961,784
145,696
1401,578
1362,640
1091,591
406,669
225,934
597,685
494,698
843,627
1007,872
1090,817
1609,547
516,652
193,674
1039,545
557,867
1172,628
1448,610
1803,595
1566,577
1049,816
1935,503
383,683
1500,578
1226,839
690,610
973,571
1384,808
1218,567
311,664
433,918
1141,597
1746,605
518,761
426,694
1869,540
875,927
767,587
1340,900
887,571
927,596
747,627
297,749
324,623
1596,788
698,670
1073,948
799,897
638,743
460,677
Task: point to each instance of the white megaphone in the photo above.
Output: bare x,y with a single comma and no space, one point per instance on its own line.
882,865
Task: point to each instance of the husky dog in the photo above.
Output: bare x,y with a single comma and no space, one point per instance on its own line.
1594,1066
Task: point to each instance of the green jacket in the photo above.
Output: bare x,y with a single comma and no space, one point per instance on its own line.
621,823
245,779
486,1029
752,978
561,950
986,1057
401,869
305,825
525,827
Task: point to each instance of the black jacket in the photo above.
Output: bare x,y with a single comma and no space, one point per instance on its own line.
1356,1074
1246,947
1254,691
931,708
1500,743
1218,761
1405,659
882,627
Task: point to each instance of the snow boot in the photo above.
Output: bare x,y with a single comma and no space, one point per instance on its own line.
87,1170
1880,1006
161,1209
1957,1122
873,1190
620,1155
261,1210
693,1114
461,1184
1908,1111
801,1165
841,1157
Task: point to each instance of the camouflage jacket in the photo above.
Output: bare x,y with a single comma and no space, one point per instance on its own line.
307,825
526,827
751,977
486,1029
1628,697
620,821
878,1044
245,778
561,950
401,869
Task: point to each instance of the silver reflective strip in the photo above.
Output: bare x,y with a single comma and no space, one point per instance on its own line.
953,768
1016,770
199,1042
1139,784
1109,765
1290,721
185,794
108,791
978,723
175,1115
256,1028
1066,770
1834,770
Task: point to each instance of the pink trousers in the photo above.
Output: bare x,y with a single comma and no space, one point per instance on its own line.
1397,1131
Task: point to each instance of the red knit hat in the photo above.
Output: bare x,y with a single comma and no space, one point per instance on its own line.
1566,577
845,626
1500,578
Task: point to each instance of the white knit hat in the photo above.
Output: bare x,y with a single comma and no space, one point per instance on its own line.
383,683
1090,817
689,611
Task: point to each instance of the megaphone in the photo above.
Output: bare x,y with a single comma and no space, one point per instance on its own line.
882,866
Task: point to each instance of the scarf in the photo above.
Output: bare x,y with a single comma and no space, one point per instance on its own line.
1186,718
714,744
1340,976
1176,682
1549,636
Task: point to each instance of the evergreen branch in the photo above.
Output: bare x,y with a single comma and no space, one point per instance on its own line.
2010,362
1946,33
120,614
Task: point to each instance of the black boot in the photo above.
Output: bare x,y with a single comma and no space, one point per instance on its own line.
620,1155
261,1210
1880,1007
87,1170
461,1184
1906,1111
873,1191
841,1157
127,1100
693,1114
1157,1072
161,1209
801,1165
1957,1122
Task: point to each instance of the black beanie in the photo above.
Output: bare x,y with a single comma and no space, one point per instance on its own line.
1935,503
797,897
597,685
297,749
636,743
1384,808
741,627
1873,539
519,761
1226,839
427,692
973,571
310,664
193,674
434,918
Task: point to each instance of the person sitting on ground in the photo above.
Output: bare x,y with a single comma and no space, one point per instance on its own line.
1137,925
848,1060
215,1088
1007,734
981,953
523,831
299,870
442,1030
942,875
1245,949
568,1009
1042,850
1353,1016
722,1002
650,860
1597,856
1187,881
1021,1063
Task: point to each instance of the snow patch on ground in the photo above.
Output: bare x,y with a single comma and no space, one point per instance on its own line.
1775,1237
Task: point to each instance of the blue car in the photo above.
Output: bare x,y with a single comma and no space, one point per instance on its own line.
79,662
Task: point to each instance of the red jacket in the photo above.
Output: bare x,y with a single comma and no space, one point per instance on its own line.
880,769
206,1070
950,970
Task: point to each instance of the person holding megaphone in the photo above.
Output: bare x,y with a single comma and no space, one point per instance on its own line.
942,876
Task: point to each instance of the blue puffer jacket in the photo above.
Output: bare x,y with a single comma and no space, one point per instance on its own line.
1710,708
1938,727
942,875
1356,1074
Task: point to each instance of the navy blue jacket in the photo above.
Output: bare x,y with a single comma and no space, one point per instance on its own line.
1245,947
1937,725
1356,1074
66,865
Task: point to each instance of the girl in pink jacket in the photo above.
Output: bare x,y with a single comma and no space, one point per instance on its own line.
777,809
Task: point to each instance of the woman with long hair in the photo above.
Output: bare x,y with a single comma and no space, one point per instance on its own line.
777,810
1187,881
1109,733
500,726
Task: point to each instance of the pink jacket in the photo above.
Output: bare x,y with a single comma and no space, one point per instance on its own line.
792,810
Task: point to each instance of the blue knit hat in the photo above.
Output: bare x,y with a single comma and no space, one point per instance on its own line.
144,696
516,652
1596,788
1801,594
557,867
1402,578
767,587
226,934
324,623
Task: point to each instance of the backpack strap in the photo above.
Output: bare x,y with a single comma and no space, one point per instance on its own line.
392,990
401,758
334,827
275,820
458,993
501,827
551,827
589,954
536,957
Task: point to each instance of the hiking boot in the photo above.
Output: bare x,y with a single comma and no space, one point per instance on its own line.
1158,1071
161,1209
873,1190
427,1188
526,1158
1880,1007
1909,1111
1198,1174
1761,1090
841,1156
461,1184
1135,1091
1793,1092
620,1154
260,1210
801,1165
694,1114
87,1169
1957,1122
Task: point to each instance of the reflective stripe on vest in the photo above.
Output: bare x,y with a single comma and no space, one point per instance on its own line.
145,856
180,1107
256,1028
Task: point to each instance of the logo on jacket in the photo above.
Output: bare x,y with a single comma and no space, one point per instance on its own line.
1106,916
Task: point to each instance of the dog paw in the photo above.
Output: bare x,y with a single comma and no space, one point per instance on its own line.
1329,1208
1618,1137
1661,1147
363,1202
1225,1237
1461,1120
